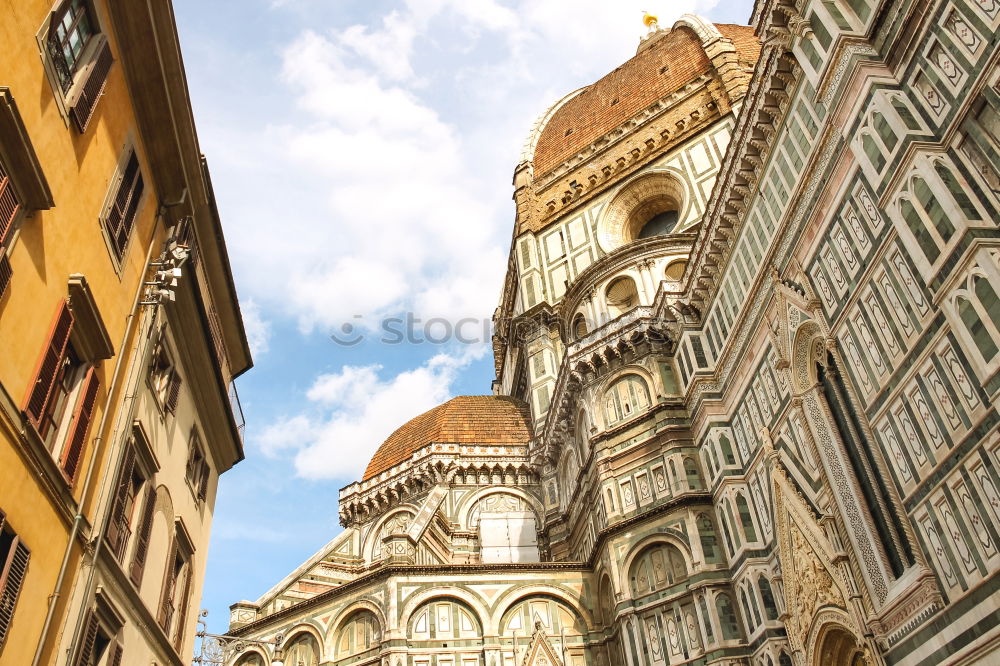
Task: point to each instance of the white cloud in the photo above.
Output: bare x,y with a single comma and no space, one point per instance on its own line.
257,328
351,412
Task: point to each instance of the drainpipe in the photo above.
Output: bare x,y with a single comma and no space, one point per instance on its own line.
79,517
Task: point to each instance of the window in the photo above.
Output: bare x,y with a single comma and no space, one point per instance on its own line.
660,224
127,490
727,617
302,650
172,614
579,327
703,607
706,534
9,207
70,30
745,518
13,565
360,633
197,467
119,216
99,644
621,296
624,398
657,568
77,59
133,504
977,306
164,379
691,474
770,609
727,450
61,400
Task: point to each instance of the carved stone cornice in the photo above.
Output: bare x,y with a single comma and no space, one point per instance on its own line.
436,463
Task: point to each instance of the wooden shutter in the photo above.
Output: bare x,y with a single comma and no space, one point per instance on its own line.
182,606
11,577
169,580
48,366
203,482
117,532
142,536
90,92
81,424
116,222
116,655
6,272
85,649
9,204
173,392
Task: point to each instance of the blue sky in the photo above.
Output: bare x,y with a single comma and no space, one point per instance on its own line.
362,155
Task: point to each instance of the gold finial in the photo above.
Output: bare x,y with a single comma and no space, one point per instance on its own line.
650,21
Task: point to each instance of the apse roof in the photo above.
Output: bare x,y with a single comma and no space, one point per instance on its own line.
466,419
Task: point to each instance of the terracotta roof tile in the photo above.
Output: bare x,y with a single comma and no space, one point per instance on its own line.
668,64
466,419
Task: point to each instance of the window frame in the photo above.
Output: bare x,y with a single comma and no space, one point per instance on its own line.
9,595
68,94
131,205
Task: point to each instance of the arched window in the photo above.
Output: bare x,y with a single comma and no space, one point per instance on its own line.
976,327
621,295
745,518
658,567
252,659
444,619
727,450
706,534
359,634
872,151
606,602
957,191
919,230
556,617
729,519
659,225
579,326
770,609
729,538
904,113
707,619
713,460
784,659
747,615
691,473
932,207
625,398
302,650
727,617
884,130
675,270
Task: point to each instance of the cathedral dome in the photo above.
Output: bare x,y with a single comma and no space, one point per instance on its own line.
466,419
665,63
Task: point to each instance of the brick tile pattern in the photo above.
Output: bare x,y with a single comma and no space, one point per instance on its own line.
466,419
666,66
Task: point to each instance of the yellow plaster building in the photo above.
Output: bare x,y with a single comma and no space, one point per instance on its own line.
121,336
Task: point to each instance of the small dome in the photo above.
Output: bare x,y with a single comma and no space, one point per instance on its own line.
466,419
671,60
